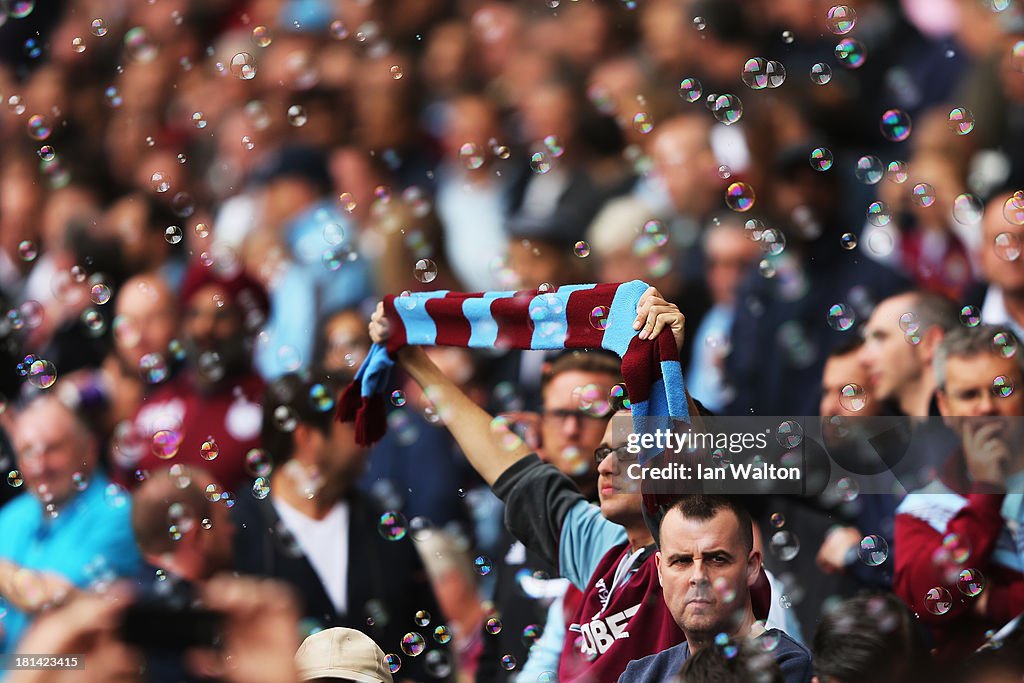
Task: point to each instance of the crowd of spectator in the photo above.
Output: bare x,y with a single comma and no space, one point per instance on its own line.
202,202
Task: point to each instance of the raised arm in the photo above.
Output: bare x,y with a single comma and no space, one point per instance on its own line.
470,424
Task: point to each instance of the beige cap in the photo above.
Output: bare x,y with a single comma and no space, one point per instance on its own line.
341,653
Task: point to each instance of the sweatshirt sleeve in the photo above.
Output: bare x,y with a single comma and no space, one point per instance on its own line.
918,537
537,499
545,510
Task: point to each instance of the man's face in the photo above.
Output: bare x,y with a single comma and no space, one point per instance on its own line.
575,416
147,310
892,363
536,262
680,162
969,387
51,447
218,555
840,371
339,458
729,258
347,343
705,572
213,323
619,495
996,265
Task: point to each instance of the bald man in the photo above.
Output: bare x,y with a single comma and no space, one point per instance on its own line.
70,529
148,313
182,525
685,166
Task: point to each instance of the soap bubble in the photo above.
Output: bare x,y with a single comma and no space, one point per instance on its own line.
961,120
841,317
895,125
1007,246
261,36
850,53
297,116
971,582
968,209
938,601
970,316
878,214
821,159
740,197
897,172
873,550
821,73
841,19
728,109
425,270
243,66
690,89
853,397
784,545
923,195
392,526
42,374
869,169
413,644
472,157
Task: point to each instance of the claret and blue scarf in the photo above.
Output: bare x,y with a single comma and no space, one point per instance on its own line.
571,317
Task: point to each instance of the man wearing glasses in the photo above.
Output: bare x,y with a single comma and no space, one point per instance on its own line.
575,390
606,552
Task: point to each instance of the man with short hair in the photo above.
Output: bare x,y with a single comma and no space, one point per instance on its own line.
69,530
958,560
838,551
316,531
707,565
575,389
182,525
146,313
900,340
844,368
870,637
606,552
1002,267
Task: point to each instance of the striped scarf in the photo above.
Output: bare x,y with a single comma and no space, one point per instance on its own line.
571,317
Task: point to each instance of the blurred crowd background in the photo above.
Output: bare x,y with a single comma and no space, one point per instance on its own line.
202,202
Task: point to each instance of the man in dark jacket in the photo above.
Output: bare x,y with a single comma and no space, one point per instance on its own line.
306,524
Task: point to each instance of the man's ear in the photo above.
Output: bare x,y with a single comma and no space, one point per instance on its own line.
951,421
302,437
165,561
657,563
753,566
930,341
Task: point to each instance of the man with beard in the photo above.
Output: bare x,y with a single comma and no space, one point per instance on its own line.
959,539
209,415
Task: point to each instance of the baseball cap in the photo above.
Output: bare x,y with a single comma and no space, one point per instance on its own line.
341,653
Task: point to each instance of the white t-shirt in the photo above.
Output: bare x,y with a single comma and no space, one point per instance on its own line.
325,544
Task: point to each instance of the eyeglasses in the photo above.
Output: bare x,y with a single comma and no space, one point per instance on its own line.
621,454
561,415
